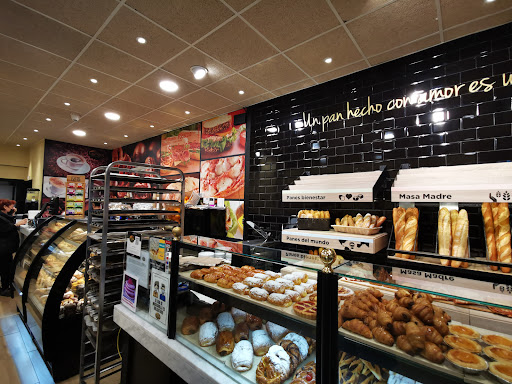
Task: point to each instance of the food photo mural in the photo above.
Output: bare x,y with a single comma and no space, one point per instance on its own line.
181,148
63,159
221,137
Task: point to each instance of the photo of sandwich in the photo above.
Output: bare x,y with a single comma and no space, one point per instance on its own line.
220,137
181,148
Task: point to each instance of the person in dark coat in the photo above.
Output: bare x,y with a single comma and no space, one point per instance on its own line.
9,241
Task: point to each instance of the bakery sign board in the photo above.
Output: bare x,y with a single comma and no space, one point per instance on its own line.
159,297
462,193
327,197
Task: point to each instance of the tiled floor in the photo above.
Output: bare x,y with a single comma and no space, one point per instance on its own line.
20,362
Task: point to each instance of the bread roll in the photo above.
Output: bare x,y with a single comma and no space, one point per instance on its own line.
490,240
190,325
460,239
444,235
504,237
207,334
225,343
242,356
261,342
225,322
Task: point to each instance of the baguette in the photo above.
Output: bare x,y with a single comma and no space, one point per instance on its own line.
367,220
411,228
494,209
399,223
460,240
504,237
350,221
444,235
454,214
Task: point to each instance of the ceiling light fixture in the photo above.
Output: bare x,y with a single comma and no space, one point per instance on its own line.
105,143
489,1
94,81
151,126
112,116
79,132
241,92
25,138
169,86
36,130
18,145
328,60
187,112
141,40
67,104
198,71
125,135
48,119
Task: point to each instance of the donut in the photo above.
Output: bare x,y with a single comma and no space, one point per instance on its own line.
240,288
253,282
308,286
225,322
295,279
258,294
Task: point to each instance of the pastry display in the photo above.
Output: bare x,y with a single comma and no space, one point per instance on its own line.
464,331
314,220
242,356
359,371
360,224
499,341
405,223
466,360
502,371
498,353
463,343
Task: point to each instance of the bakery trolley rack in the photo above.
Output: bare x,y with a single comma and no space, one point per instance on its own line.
123,196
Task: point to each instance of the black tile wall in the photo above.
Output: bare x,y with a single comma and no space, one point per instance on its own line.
477,128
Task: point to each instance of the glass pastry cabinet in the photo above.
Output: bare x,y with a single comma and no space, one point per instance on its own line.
49,289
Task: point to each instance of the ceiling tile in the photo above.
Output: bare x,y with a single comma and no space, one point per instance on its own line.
229,88
227,109
53,113
95,122
73,91
126,26
144,124
81,75
274,73
28,94
125,108
190,20
236,45
478,25
72,12
180,66
134,134
238,5
349,9
178,108
25,76
58,101
162,118
343,71
152,83
116,63
455,12
16,104
206,100
28,26
335,44
405,50
27,56
58,122
292,22
258,99
393,25
294,87
144,97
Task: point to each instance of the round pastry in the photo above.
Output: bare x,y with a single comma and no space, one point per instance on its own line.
253,322
264,277
309,287
273,286
498,340
225,343
279,299
190,325
301,275
280,359
313,297
294,295
261,342
273,275
294,353
213,277
258,294
502,370
247,268
294,279
288,284
242,356
275,331
266,373
207,334
466,360
238,315
344,293
301,290
197,274
463,343
300,342
241,332
253,282
225,322
225,282
499,354
307,374
306,309
461,330
240,288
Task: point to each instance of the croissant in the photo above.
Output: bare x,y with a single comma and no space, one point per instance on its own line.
442,313
401,314
384,319
370,322
415,336
440,325
383,336
417,321
357,326
391,305
352,312
360,304
403,343
406,302
398,328
402,292
422,295
433,353
432,335
375,293
424,311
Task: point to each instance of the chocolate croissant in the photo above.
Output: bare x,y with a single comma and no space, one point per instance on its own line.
225,343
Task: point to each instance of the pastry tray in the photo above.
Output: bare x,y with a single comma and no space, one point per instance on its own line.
250,375
356,230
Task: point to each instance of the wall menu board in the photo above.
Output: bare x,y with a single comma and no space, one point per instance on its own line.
75,196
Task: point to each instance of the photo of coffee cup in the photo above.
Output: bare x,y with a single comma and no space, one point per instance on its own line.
57,185
74,161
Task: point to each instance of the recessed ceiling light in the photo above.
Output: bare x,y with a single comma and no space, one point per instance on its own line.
241,92
94,81
141,40
125,135
489,1
36,130
79,132
105,143
151,126
112,116
25,138
67,104
18,145
48,119
328,60
198,71
187,112
169,86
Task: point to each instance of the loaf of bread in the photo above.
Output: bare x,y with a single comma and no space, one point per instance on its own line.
504,237
409,238
399,225
444,234
460,239
490,240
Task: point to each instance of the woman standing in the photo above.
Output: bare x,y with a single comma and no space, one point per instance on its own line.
9,241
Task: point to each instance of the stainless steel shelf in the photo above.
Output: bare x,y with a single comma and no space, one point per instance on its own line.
137,190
